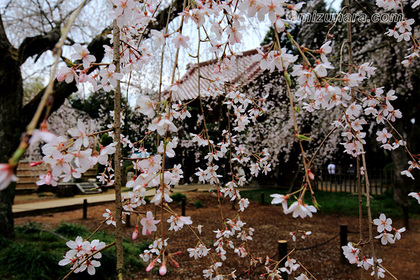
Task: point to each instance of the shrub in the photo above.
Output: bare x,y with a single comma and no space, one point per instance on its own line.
178,196
71,230
198,204
23,261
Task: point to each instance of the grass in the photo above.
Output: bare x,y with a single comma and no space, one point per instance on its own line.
35,253
341,203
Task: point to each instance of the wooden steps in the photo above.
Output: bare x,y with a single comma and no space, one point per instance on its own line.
28,176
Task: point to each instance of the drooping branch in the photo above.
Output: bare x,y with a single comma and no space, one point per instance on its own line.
39,44
170,12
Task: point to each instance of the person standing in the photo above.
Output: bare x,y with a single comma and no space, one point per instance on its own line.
331,171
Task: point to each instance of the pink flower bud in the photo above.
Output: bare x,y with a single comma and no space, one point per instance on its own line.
217,69
36,163
151,8
311,175
162,269
176,264
48,178
151,265
135,233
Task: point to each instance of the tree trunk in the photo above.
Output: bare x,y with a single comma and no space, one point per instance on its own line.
403,184
11,95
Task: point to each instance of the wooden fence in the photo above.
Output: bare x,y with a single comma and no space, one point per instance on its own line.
345,181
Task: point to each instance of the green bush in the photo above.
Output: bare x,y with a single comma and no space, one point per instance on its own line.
178,196
71,230
198,204
23,261
36,252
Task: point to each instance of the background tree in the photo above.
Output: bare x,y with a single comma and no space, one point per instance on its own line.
41,23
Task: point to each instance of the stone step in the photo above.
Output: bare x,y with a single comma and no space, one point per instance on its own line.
32,179
27,185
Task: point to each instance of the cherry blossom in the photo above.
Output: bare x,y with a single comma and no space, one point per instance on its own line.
66,74
180,40
279,198
300,209
80,134
351,253
383,136
415,195
109,217
398,232
90,266
383,223
148,223
290,266
315,91
365,263
386,238
83,54
109,77
47,179
302,277
178,222
407,173
379,271
6,175
145,105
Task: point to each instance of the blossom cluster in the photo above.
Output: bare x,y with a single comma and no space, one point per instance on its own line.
83,255
69,158
352,251
297,208
402,29
384,227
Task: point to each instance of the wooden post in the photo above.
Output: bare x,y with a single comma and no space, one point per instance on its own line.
183,204
262,198
282,249
85,206
127,220
343,242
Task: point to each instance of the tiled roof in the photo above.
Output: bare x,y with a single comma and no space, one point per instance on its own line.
246,71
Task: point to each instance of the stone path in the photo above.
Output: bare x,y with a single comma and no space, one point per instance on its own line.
67,204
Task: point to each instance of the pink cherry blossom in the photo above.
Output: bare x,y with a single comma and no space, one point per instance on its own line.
180,40
300,209
148,223
67,74
6,175
83,54
351,253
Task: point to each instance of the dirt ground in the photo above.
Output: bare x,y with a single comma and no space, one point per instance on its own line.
270,225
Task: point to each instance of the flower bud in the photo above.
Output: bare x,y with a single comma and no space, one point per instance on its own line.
48,178
151,265
175,263
35,163
311,175
162,269
135,232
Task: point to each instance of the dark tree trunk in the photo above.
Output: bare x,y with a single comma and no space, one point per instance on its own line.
11,94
